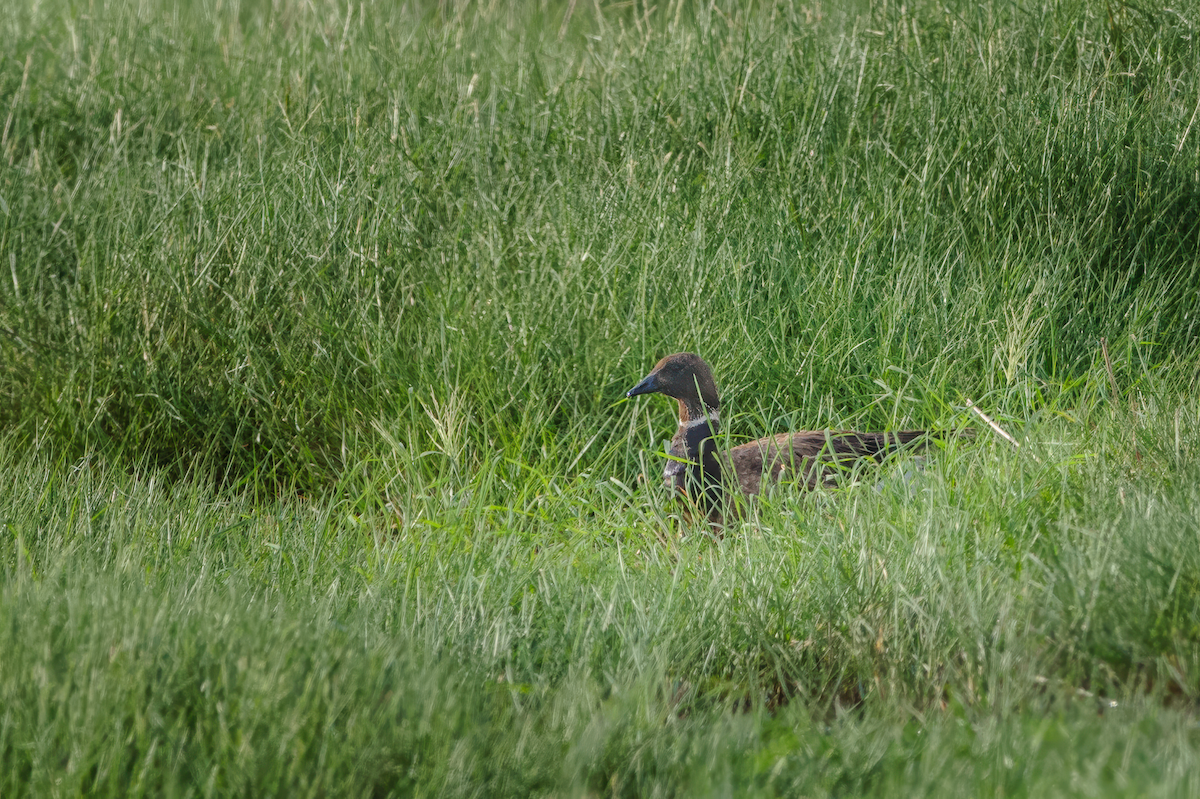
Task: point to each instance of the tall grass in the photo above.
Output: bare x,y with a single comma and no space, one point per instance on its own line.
1020,622
315,329
240,234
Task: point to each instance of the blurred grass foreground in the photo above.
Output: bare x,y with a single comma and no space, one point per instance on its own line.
316,319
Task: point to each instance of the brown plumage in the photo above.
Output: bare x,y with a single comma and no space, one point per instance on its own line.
701,473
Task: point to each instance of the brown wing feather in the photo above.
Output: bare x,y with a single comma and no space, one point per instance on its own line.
809,457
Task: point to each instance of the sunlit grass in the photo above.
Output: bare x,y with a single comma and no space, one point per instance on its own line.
316,321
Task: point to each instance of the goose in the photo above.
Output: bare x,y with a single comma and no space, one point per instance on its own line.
700,473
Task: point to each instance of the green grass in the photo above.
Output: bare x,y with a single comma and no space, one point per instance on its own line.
315,325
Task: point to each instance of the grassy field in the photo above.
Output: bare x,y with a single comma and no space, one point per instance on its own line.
316,320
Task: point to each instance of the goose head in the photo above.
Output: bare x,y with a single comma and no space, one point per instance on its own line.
683,376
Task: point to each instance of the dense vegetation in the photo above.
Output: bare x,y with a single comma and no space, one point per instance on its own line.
316,320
